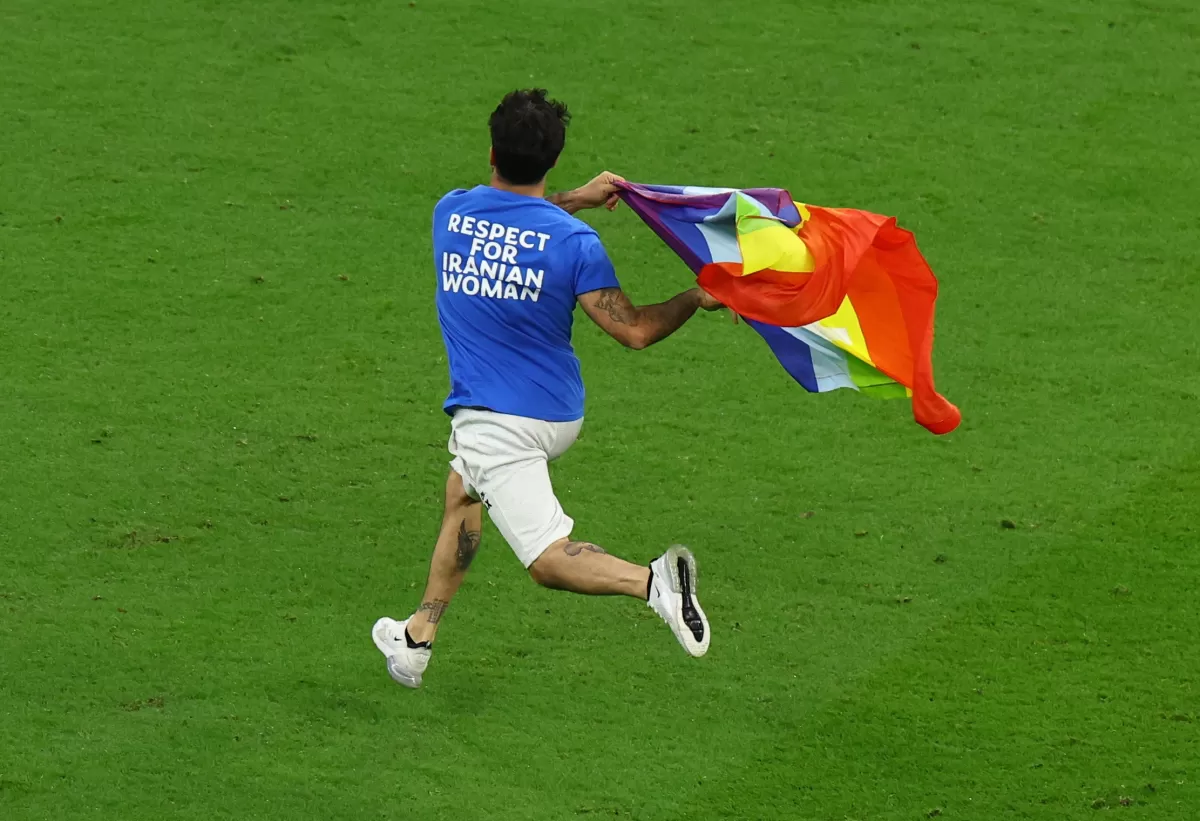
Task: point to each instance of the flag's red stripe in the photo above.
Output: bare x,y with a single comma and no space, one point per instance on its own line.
890,285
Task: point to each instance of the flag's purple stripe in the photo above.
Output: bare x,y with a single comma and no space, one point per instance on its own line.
794,355
662,189
690,247
668,196
778,201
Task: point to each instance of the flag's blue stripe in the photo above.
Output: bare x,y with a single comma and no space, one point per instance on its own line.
829,362
794,355
689,234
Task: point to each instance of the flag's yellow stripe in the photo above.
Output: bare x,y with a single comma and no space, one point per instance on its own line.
843,330
773,245
765,242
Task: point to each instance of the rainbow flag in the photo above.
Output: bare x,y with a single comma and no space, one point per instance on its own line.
843,298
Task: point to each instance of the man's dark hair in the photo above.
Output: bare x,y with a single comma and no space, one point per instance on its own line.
528,133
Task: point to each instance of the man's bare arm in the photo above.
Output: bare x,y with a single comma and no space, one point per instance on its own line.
639,327
567,201
599,191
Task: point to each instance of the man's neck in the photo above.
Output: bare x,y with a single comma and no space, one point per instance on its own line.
538,189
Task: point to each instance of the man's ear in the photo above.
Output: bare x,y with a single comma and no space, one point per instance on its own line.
492,157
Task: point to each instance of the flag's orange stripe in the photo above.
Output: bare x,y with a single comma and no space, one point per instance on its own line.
867,257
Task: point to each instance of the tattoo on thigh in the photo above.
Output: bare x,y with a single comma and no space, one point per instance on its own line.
575,548
468,546
434,608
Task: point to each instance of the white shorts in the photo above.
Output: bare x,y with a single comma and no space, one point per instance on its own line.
504,462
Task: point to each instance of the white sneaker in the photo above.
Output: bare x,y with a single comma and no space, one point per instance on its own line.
673,597
405,664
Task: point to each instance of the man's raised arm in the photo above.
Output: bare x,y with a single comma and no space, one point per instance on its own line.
598,191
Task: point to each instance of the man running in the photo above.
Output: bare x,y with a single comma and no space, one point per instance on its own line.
512,263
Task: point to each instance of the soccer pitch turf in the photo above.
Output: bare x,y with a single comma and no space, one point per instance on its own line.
223,449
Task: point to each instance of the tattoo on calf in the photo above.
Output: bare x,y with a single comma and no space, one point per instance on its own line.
434,608
575,548
468,546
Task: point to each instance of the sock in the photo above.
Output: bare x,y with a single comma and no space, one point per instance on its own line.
414,645
649,584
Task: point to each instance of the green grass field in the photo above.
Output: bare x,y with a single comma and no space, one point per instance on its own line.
223,450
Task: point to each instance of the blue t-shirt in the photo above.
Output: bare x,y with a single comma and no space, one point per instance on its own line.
509,269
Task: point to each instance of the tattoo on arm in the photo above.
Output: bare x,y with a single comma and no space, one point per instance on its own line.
434,608
639,327
468,546
575,548
618,307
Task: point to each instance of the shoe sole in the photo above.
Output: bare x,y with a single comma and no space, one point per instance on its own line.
398,676
679,560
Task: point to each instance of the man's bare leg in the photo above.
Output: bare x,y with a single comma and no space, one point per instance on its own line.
456,546
583,567
668,585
